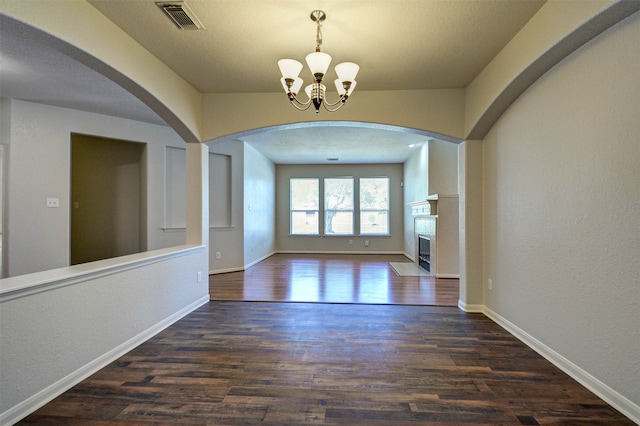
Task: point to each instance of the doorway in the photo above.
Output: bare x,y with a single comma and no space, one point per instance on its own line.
107,194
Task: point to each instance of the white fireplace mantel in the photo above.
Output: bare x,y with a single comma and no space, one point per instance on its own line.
426,207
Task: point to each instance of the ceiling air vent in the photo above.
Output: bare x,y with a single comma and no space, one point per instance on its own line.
181,15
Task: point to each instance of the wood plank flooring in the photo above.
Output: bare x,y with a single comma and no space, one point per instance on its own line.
239,363
328,278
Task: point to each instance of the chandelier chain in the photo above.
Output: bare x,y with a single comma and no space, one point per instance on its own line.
318,36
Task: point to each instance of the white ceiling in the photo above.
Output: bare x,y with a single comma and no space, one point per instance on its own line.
399,45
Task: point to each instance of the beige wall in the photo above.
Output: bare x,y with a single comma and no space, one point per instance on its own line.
106,198
443,167
441,112
39,157
561,222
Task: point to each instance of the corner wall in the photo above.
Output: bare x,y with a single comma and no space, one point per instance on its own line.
416,188
259,206
229,242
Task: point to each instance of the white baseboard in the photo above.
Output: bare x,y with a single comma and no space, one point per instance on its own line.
472,309
613,398
338,252
448,276
226,270
241,268
245,267
31,404
255,262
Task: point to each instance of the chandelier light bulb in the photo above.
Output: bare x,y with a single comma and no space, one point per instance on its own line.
347,71
318,63
290,68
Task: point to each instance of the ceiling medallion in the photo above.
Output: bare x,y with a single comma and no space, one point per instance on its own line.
318,63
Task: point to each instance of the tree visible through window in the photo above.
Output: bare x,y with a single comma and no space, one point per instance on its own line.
305,196
338,206
374,206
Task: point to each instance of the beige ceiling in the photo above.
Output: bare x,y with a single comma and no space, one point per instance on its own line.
399,45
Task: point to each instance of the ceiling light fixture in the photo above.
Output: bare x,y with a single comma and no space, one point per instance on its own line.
318,63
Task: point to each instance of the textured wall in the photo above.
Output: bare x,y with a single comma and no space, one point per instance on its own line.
562,195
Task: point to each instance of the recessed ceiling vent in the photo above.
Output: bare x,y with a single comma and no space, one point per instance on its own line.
181,15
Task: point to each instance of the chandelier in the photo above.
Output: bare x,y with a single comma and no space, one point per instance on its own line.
318,62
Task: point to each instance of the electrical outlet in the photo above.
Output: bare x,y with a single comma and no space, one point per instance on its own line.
218,255
366,243
350,242
490,284
53,202
199,276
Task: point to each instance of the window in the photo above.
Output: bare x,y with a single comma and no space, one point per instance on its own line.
338,206
374,206
305,196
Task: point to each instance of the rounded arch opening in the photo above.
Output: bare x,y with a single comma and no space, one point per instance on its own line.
319,142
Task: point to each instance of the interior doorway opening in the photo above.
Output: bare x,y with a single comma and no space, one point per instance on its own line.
108,194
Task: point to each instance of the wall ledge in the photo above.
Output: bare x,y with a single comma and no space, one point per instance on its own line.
29,284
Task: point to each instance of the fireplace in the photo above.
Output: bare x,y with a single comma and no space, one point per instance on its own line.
424,252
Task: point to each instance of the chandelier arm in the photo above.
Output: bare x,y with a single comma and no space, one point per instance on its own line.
342,100
293,98
327,107
300,106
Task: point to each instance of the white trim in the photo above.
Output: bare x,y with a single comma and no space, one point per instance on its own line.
243,268
226,270
174,229
255,262
472,309
336,252
447,275
29,405
602,390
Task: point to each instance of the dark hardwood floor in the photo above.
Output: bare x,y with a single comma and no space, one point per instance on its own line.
328,278
239,363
